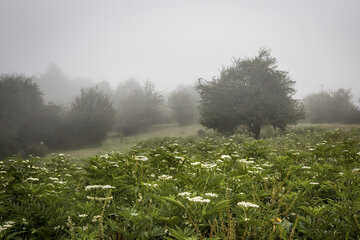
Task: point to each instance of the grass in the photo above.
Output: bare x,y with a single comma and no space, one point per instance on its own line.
123,143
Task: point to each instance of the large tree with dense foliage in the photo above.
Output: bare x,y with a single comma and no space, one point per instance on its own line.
21,111
251,92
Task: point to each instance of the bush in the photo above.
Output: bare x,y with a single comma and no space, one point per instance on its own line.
21,111
89,118
139,110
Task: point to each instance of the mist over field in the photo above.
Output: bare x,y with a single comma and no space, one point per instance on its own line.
179,119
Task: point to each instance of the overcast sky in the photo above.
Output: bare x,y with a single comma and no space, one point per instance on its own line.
171,42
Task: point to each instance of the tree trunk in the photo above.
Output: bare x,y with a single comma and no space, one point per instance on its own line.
255,128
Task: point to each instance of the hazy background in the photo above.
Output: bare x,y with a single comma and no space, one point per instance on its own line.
172,42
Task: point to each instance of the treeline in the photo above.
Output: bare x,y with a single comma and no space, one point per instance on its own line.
332,107
31,125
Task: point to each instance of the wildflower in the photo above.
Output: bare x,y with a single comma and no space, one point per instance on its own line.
358,153
98,186
141,158
208,165
134,214
57,227
195,163
305,167
105,156
95,218
314,183
54,178
165,177
225,157
356,169
150,185
32,179
82,215
267,165
245,161
247,204
184,194
211,195
198,199
99,198
59,182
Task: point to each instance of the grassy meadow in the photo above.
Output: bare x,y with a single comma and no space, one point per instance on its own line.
170,183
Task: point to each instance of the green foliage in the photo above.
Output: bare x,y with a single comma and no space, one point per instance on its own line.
89,119
330,107
303,185
251,92
21,113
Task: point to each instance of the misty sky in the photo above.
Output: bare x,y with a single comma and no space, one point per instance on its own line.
171,42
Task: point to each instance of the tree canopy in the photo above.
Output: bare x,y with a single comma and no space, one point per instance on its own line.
251,92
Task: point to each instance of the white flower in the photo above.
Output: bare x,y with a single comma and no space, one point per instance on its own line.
134,214
59,182
306,167
105,156
54,178
356,169
32,179
61,155
225,157
208,165
184,194
83,215
165,177
358,153
150,185
195,163
245,161
98,186
267,165
198,199
247,204
211,195
314,183
99,198
95,218
141,158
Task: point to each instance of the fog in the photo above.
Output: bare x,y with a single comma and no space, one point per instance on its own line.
176,42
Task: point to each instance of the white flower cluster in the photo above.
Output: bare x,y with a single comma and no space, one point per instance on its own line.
245,161
7,225
198,199
98,187
195,163
99,198
211,195
165,177
305,167
184,194
141,158
95,218
151,185
105,156
247,204
32,179
225,157
82,215
208,165
314,183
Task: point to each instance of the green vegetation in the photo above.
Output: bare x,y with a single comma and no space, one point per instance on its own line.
303,185
251,92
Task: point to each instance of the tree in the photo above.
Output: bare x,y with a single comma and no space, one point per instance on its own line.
21,111
90,118
139,110
328,107
184,106
251,92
